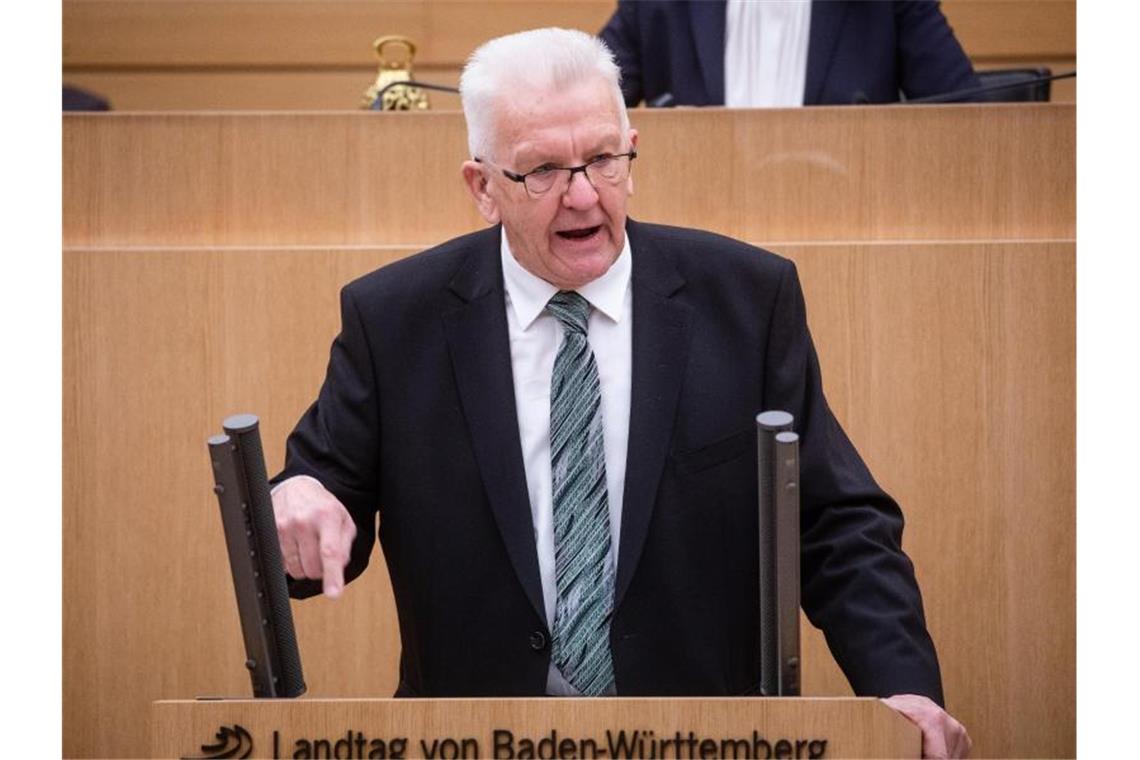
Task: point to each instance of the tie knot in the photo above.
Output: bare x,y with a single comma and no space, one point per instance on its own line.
571,309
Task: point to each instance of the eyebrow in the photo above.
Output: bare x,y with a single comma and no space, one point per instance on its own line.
529,157
528,160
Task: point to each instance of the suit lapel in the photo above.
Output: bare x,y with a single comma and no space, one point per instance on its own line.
708,38
660,352
826,22
479,345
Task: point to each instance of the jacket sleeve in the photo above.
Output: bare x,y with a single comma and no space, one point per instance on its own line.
622,35
858,585
336,441
930,59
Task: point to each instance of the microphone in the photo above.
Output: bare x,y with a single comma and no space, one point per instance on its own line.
778,474
664,100
957,95
260,587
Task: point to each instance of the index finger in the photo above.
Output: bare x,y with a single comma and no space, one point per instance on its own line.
336,545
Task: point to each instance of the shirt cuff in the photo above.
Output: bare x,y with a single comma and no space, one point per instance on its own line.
273,490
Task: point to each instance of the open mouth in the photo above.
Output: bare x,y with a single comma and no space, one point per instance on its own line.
579,234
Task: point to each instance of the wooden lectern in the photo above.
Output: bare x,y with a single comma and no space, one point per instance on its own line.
742,727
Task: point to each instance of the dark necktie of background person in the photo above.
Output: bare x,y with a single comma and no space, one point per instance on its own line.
583,568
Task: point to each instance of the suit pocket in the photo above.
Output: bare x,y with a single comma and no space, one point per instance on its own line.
706,457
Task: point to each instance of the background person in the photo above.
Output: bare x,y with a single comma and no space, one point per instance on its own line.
785,53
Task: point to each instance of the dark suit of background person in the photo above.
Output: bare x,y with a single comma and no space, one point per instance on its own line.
857,52
416,421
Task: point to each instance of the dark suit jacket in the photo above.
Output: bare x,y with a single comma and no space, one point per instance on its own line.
857,51
416,421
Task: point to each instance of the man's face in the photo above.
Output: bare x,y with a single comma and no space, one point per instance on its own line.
567,238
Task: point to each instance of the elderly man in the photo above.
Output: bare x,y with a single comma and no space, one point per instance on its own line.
553,419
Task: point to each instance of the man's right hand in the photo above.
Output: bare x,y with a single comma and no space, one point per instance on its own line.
315,532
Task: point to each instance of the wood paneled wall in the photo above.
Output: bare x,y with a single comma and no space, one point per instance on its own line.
316,54
204,252
951,365
846,173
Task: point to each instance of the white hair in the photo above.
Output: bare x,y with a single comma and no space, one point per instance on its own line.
549,59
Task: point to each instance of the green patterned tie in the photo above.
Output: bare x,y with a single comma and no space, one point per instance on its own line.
583,568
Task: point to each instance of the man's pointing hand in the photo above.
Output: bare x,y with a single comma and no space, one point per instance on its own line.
315,532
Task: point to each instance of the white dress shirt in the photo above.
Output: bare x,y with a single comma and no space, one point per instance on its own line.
766,52
535,335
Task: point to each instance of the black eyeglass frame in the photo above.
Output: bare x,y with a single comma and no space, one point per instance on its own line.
515,177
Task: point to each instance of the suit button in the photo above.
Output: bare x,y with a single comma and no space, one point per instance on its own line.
538,641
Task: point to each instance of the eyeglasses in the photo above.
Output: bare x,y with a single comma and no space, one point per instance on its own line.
601,171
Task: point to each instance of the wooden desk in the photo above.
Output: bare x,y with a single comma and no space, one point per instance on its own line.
477,728
1005,172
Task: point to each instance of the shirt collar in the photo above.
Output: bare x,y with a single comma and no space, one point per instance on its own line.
528,294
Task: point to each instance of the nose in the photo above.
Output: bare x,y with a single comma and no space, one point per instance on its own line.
580,193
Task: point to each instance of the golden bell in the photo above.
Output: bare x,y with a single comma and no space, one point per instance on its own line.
397,97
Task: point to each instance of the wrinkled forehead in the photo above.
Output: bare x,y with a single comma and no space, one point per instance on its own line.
584,115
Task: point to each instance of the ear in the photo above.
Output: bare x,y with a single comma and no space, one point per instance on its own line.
633,146
477,183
